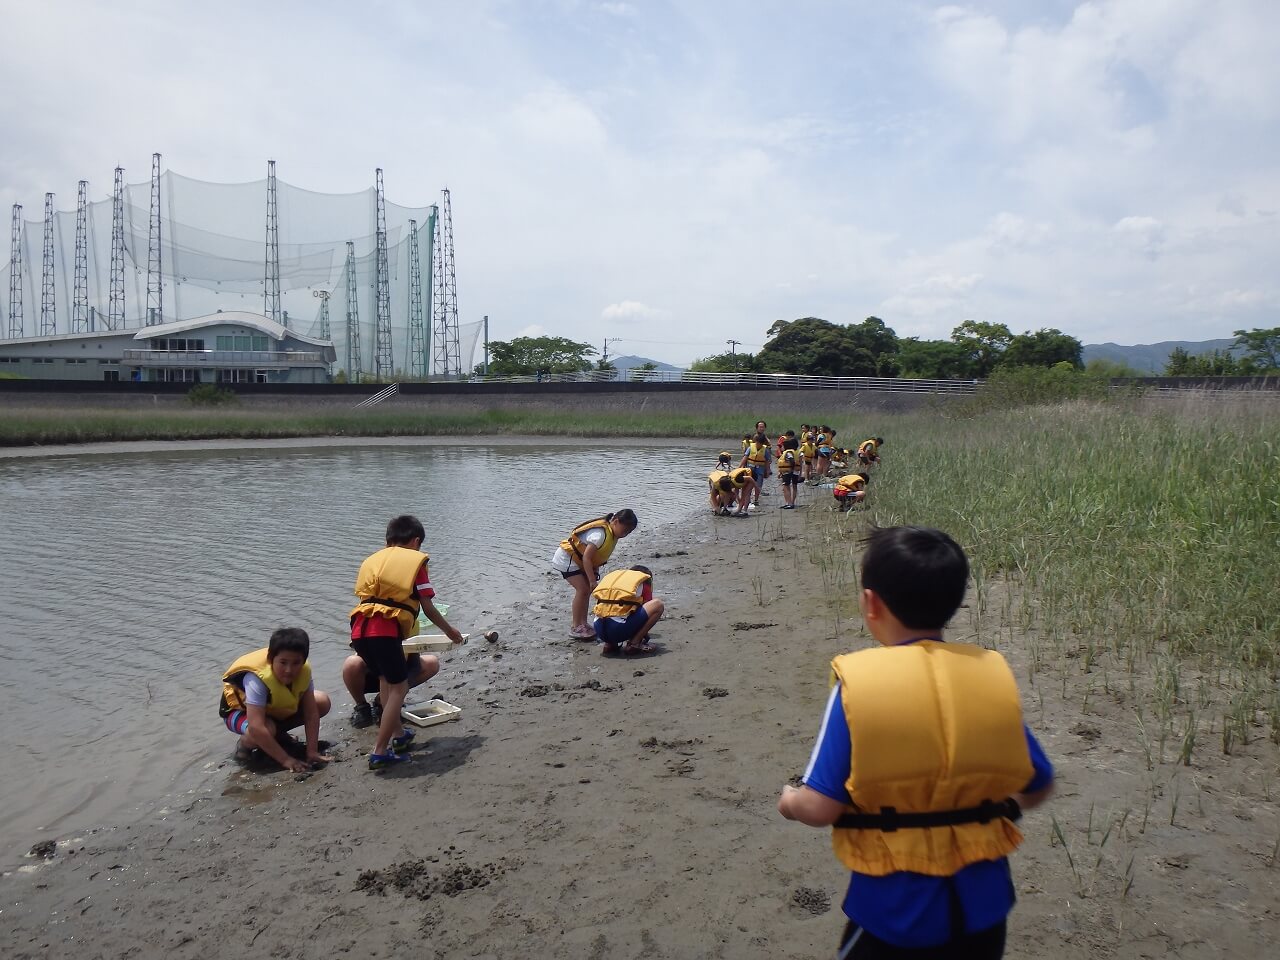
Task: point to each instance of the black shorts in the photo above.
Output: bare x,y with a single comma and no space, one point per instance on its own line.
570,574
789,479
384,656
413,668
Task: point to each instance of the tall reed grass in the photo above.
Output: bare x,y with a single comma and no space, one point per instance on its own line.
1129,540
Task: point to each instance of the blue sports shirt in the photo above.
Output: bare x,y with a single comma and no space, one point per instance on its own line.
912,909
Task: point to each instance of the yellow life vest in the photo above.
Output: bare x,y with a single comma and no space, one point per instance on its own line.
740,476
851,481
617,593
282,701
385,587
868,448
788,462
758,453
933,727
576,547
714,478
808,449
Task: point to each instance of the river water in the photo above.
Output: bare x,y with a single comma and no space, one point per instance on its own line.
132,577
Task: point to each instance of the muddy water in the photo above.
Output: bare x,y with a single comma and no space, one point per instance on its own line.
132,579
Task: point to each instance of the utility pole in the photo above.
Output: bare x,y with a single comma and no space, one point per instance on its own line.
604,358
733,346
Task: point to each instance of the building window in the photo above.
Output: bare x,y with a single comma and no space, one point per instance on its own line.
111,376
233,376
178,375
259,376
260,344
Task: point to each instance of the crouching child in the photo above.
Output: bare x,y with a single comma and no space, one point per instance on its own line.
269,692
626,610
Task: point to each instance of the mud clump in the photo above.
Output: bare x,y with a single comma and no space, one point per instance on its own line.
535,690
44,850
814,901
753,626
417,880
712,692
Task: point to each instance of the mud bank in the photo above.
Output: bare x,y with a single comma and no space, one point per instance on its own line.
587,806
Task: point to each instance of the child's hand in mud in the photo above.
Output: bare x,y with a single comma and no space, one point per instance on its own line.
317,760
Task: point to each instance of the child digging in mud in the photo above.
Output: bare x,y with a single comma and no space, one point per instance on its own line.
626,610
922,765
269,692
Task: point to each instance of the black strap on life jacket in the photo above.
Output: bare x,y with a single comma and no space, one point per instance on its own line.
389,603
889,819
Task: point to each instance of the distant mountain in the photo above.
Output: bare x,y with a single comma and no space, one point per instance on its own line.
626,363
1151,357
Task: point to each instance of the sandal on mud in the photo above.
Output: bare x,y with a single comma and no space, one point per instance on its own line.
402,741
582,632
381,761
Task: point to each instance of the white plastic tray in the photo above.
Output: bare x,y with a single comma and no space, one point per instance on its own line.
426,713
431,644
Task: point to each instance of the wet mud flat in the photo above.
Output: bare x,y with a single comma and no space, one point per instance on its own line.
592,806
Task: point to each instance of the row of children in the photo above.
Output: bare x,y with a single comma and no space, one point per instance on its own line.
268,692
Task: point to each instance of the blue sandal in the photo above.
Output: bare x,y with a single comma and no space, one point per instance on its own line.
402,741
380,761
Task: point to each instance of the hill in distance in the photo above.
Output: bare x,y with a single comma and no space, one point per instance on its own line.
1151,357
628,362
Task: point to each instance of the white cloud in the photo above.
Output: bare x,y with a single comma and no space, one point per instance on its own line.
629,310
532,330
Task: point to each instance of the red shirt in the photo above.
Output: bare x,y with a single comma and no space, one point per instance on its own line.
378,626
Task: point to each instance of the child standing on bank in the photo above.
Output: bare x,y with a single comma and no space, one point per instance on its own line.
790,465
922,764
392,587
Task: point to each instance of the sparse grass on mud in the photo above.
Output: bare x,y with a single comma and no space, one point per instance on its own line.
1131,541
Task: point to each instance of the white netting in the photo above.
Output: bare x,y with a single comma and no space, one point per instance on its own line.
213,256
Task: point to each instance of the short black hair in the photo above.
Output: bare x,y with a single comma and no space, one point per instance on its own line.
290,639
920,574
791,443
404,528
641,568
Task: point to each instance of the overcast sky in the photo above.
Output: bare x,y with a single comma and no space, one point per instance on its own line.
678,174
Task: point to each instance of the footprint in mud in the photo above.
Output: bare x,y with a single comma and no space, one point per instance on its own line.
416,879
814,901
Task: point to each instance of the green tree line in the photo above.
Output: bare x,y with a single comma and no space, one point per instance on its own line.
816,347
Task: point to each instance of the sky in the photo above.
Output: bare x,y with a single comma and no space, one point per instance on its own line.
671,176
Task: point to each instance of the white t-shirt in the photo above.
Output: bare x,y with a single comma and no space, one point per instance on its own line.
256,693
563,561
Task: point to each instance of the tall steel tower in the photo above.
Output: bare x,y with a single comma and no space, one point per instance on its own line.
271,279
80,285
15,273
155,282
115,305
447,359
48,298
353,317
324,313
419,361
383,363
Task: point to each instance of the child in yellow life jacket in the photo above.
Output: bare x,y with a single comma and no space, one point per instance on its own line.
922,765
721,490
850,489
626,610
809,451
391,588
580,556
269,692
790,466
869,451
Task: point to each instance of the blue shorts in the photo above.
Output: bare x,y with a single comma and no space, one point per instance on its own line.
757,474
609,631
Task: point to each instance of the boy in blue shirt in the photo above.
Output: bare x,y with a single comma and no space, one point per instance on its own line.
922,765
